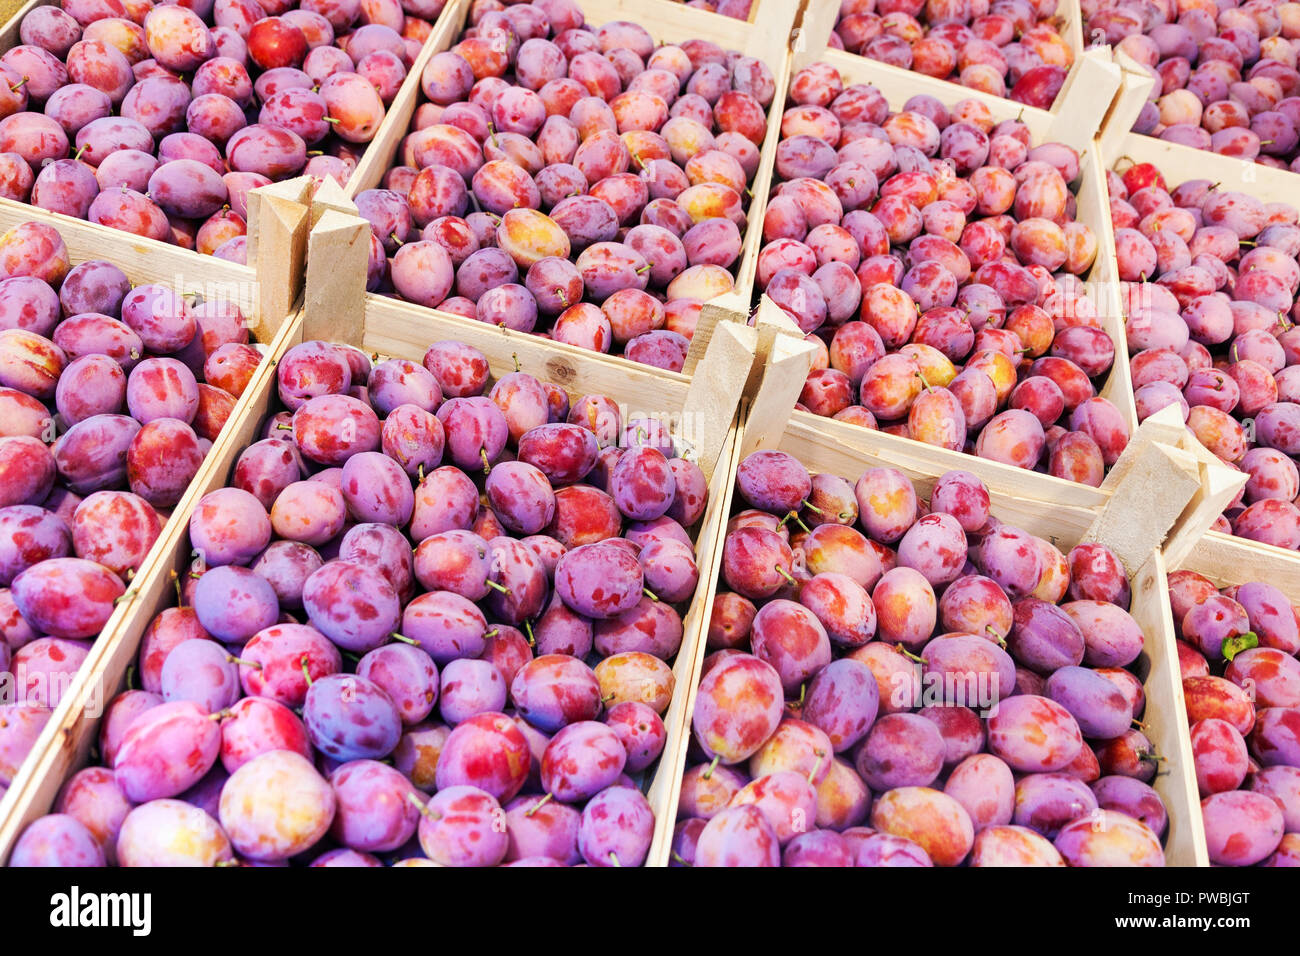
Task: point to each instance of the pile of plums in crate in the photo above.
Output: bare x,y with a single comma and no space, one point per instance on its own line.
110,397
1210,279
736,9
892,683
430,621
1225,73
158,119
1241,680
575,181
935,256
1010,48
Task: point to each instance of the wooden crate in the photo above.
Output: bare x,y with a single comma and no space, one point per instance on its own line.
817,22
667,22
10,37
1121,148
1165,718
701,412
1101,284
1177,162
212,278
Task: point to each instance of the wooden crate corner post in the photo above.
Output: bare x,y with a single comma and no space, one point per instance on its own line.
278,221
813,31
785,371
728,307
716,390
338,260
1217,485
1082,105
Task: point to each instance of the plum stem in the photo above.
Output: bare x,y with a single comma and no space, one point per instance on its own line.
124,597
708,774
812,507
176,583
651,595
1235,645
537,806
997,638
487,465
404,639
678,857
514,357
797,520
492,633
422,807
224,863
19,85
784,573
393,236
232,659
645,268
332,119
77,154
803,690
528,629
614,856
305,673
497,587
817,766
220,715
909,655
284,427
130,677
419,472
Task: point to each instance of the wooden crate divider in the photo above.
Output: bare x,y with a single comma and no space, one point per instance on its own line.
66,740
